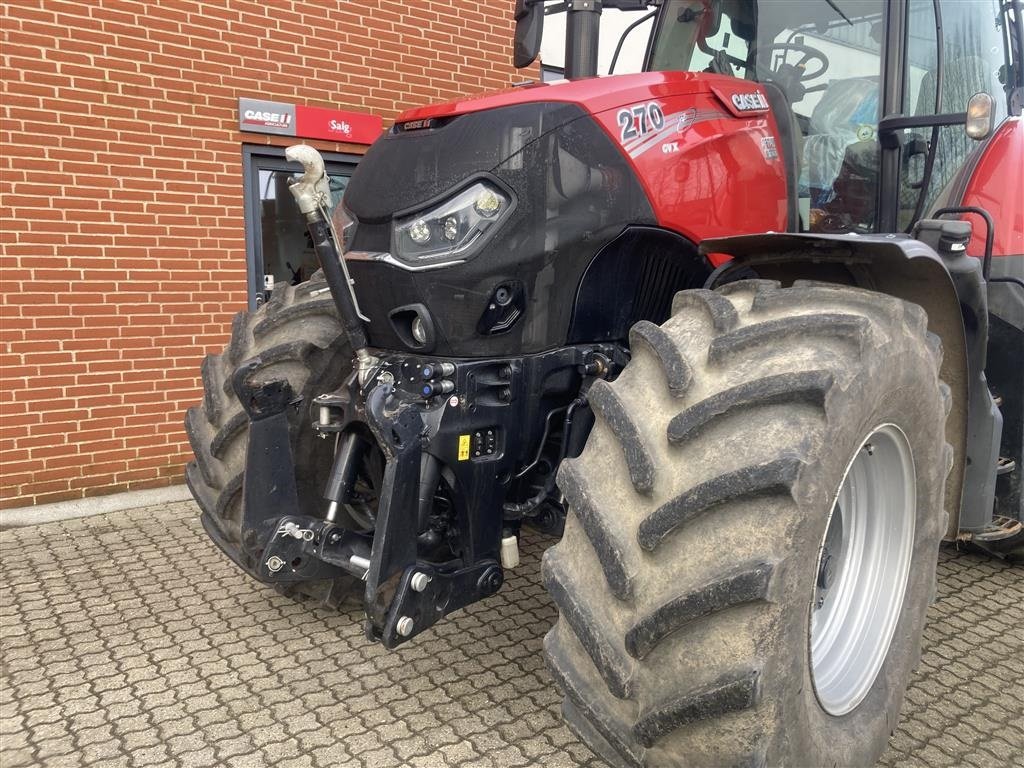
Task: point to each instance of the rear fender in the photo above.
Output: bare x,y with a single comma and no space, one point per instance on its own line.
893,264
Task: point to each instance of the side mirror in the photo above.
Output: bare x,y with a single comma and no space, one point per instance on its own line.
529,18
980,116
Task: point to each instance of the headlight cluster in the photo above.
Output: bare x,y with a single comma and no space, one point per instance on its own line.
448,230
446,233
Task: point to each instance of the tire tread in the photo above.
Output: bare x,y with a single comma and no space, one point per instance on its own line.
644,541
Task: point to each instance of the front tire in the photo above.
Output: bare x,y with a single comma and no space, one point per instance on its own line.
690,574
297,337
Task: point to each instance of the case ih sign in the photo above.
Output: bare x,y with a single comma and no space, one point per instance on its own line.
260,116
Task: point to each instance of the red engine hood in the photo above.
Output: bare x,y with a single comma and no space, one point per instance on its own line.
595,94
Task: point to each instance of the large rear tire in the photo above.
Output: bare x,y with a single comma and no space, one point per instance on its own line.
298,338
706,592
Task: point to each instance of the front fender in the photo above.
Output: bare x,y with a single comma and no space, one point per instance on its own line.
897,265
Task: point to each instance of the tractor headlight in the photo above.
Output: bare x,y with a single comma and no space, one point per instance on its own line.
452,230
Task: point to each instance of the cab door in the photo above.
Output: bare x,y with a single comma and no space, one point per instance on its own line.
945,51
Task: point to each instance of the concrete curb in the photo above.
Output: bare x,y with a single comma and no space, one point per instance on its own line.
94,505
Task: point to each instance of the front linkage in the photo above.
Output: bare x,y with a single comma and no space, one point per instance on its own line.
454,424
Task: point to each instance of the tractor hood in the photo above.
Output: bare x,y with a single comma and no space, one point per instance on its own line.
431,150
593,94
566,190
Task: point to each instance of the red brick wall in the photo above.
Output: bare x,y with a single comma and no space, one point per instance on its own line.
123,249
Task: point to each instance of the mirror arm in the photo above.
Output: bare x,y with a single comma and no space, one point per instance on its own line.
625,34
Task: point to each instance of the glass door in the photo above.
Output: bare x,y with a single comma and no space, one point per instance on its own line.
277,244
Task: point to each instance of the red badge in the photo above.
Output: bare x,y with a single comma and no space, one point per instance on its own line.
337,125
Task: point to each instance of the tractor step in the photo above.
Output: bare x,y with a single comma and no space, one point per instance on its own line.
1000,528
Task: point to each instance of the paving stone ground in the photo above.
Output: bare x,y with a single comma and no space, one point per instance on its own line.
129,640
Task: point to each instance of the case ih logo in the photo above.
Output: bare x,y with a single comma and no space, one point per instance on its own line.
748,102
268,119
416,125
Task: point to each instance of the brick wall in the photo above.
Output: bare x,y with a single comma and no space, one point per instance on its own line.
123,249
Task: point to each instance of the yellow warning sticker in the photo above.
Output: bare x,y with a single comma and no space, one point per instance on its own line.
463,447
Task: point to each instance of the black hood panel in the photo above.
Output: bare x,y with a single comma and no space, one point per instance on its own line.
574,191
407,168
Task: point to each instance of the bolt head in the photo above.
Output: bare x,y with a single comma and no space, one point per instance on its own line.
404,626
419,581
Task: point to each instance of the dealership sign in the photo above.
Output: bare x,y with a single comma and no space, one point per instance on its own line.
261,116
335,125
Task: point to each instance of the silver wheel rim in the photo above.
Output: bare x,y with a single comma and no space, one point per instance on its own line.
862,569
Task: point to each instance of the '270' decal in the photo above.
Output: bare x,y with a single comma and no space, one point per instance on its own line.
640,119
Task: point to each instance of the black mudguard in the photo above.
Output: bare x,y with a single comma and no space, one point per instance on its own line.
951,290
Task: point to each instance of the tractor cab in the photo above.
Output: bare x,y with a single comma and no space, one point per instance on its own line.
836,70
832,70
885,116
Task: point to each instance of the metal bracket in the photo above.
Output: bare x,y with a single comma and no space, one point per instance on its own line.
289,555
426,595
310,549
394,542
268,490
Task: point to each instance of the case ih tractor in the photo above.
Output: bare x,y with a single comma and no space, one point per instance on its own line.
747,325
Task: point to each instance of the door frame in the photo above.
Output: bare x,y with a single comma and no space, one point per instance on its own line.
257,157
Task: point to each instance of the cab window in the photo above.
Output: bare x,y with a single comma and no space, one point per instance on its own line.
825,57
972,60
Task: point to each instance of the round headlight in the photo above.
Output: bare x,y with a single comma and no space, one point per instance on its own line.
487,203
419,232
451,228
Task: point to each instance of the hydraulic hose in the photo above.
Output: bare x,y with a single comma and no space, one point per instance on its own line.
516,510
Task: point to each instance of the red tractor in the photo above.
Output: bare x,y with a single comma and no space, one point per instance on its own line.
556,306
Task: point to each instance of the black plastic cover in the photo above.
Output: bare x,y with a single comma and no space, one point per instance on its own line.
633,278
574,190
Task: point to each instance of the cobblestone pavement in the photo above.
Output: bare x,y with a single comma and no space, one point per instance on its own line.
128,640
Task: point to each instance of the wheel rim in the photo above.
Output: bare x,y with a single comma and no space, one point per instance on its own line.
862,570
